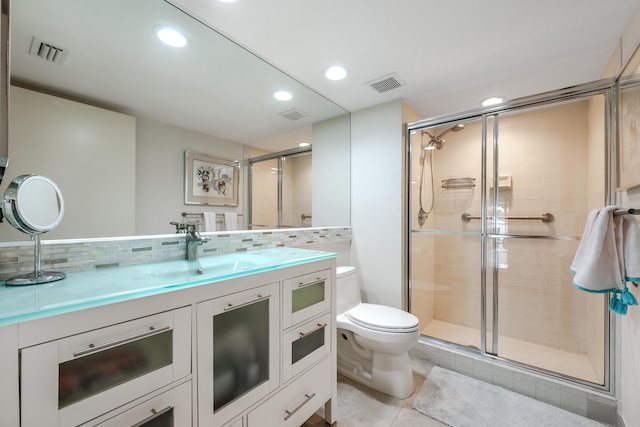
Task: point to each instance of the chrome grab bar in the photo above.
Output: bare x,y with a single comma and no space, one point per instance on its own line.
95,348
545,217
630,211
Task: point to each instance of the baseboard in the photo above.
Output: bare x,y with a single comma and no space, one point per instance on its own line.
620,421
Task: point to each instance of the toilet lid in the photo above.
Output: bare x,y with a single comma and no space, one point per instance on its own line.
383,318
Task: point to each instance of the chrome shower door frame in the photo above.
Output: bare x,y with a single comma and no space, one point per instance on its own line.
489,231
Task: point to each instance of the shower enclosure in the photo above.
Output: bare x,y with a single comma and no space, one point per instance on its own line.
497,203
280,187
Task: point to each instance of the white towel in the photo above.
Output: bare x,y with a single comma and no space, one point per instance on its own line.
230,221
608,256
208,221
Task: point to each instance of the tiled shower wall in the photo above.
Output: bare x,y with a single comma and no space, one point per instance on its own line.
80,255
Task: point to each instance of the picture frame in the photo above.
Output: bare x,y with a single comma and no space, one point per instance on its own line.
210,180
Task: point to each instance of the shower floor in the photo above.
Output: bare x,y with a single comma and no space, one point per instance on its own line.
563,362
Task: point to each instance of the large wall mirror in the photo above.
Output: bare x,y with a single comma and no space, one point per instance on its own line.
100,105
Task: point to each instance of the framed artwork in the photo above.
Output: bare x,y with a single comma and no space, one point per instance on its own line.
210,181
629,151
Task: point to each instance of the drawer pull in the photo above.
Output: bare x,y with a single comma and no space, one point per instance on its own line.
95,348
154,414
320,326
313,282
297,408
244,304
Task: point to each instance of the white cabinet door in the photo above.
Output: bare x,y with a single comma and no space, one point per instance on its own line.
238,338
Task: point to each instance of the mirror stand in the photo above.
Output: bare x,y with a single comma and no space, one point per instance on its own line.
37,275
33,204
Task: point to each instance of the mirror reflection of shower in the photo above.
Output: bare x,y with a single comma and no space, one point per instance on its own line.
280,188
427,148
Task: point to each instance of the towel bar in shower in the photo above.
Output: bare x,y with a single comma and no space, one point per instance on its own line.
630,211
545,217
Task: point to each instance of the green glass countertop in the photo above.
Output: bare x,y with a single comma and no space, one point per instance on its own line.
86,289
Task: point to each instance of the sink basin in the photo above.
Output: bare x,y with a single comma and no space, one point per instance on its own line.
205,267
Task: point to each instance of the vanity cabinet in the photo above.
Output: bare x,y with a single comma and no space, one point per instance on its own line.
251,350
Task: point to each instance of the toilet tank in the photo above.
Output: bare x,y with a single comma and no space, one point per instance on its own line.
347,288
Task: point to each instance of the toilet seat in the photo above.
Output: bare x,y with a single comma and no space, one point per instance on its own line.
383,318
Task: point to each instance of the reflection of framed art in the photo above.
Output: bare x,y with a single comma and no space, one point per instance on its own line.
210,181
629,152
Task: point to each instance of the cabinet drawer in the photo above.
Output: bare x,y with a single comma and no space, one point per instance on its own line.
304,345
78,378
298,401
170,409
305,297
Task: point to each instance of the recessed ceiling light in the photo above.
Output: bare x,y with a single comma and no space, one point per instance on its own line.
226,1
304,144
282,95
171,37
493,101
335,72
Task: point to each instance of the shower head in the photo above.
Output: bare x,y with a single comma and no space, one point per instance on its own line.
437,142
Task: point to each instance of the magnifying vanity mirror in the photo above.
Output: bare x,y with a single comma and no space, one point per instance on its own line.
34,205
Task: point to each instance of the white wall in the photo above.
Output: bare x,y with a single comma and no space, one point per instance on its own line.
627,355
87,151
376,202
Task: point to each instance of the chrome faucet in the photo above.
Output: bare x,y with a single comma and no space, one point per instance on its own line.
194,239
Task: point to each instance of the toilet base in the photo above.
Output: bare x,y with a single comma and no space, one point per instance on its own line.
389,374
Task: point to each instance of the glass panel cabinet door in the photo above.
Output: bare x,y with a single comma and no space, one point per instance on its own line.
238,352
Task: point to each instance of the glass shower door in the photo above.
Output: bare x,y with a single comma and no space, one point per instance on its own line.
546,173
445,261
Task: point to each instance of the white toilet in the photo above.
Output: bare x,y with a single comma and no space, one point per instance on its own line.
373,340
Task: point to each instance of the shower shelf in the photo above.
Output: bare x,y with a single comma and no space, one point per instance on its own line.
545,217
466,182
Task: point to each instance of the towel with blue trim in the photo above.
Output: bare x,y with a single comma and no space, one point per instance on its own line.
608,257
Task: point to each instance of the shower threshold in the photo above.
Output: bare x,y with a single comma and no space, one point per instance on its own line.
562,362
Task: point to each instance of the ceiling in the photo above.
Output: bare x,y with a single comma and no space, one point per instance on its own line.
450,54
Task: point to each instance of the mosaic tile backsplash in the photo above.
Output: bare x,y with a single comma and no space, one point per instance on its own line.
90,254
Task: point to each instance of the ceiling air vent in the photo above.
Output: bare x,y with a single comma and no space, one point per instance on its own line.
294,114
386,83
48,51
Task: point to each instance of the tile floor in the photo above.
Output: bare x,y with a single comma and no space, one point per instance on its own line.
359,406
